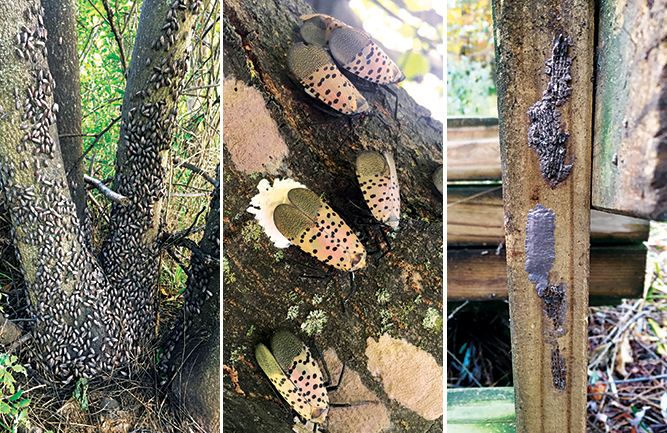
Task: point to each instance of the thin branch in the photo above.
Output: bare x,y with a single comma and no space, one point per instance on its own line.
183,233
106,181
200,87
190,187
201,172
102,105
108,193
178,261
194,194
208,260
89,42
119,39
113,122
98,11
18,342
129,17
76,135
169,239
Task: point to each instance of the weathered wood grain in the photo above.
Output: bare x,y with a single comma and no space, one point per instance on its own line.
473,150
630,140
549,356
479,274
475,217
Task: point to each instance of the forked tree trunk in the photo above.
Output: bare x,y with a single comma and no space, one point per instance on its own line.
90,316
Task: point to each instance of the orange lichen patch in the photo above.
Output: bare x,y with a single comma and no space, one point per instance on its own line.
411,376
234,375
411,277
250,134
361,316
368,418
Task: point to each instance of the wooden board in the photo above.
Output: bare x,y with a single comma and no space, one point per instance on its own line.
475,217
473,149
548,320
479,274
630,140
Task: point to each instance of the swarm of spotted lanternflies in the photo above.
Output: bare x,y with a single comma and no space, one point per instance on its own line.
147,132
75,328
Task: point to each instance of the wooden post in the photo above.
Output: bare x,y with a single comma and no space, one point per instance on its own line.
547,202
630,161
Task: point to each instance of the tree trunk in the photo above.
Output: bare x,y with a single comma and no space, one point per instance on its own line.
90,317
63,57
194,346
272,130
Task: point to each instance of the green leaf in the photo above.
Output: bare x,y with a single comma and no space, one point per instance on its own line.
16,396
23,415
414,64
407,31
4,408
24,403
19,369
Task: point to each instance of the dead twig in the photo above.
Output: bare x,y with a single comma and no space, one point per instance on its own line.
102,188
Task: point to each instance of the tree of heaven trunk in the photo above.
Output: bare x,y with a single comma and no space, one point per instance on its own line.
89,317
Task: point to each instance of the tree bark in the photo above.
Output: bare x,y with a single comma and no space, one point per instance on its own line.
131,251
63,57
88,315
319,151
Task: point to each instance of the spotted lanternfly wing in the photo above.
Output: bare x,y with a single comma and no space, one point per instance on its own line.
378,182
317,28
302,370
354,50
295,374
321,79
314,227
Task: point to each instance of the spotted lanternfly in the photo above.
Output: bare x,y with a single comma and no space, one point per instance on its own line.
295,374
317,28
377,178
321,79
313,226
354,50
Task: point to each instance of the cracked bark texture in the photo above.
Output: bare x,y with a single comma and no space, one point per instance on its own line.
259,287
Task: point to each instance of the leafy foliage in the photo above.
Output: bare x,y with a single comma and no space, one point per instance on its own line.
102,76
12,406
413,30
471,88
80,393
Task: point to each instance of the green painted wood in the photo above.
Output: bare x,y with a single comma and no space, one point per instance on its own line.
482,410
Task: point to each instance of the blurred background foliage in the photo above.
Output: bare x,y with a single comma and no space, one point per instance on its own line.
411,32
471,68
